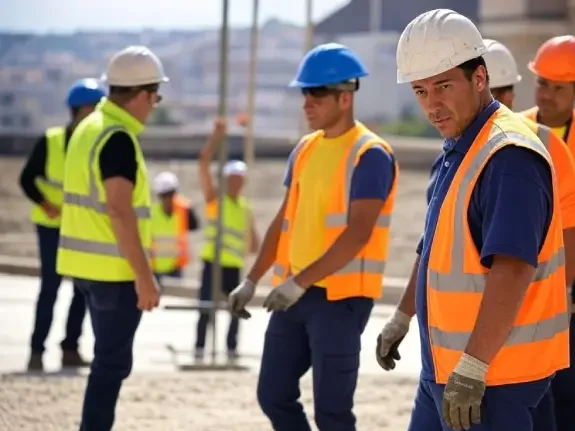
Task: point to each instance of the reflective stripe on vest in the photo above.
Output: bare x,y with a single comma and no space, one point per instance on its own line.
457,280
544,133
237,250
93,203
356,265
51,185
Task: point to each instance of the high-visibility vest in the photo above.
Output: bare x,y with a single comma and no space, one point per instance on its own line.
362,276
170,236
235,226
51,186
531,113
538,344
88,247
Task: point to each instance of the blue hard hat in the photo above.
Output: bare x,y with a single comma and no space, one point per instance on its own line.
85,92
330,63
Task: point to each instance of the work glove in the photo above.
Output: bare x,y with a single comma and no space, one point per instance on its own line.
463,394
389,340
239,298
284,296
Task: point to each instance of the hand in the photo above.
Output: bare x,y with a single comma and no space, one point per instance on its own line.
51,211
284,296
463,394
389,340
239,298
148,293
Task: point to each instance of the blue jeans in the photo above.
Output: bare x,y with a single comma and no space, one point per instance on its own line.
321,334
504,408
230,280
48,239
115,319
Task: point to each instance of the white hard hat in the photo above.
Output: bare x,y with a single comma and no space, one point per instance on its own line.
501,65
235,167
165,182
134,66
435,42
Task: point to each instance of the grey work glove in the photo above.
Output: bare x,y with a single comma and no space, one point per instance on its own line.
390,338
463,394
284,296
239,298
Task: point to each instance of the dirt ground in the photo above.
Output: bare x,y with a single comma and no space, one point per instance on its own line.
199,402
265,192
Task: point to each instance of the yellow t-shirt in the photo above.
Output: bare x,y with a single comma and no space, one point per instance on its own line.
315,182
559,131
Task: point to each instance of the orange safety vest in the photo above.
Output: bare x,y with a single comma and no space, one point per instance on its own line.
538,344
363,276
531,113
172,237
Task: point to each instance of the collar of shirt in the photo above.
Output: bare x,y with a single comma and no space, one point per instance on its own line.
463,143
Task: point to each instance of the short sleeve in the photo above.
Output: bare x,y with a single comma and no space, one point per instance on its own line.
373,176
516,201
289,168
118,158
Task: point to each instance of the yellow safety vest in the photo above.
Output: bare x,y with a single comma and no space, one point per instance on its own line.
88,247
235,215
165,239
51,186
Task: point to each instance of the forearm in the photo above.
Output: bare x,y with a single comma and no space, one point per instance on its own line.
125,227
407,302
506,284
268,251
342,251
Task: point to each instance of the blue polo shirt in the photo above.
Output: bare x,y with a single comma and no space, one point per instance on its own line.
510,211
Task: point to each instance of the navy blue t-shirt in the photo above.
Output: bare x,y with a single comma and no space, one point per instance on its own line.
509,214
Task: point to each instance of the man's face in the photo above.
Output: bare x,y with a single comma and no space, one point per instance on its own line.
450,100
504,95
324,108
554,98
167,200
235,183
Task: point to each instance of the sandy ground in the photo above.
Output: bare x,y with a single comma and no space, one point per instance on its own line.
265,191
199,402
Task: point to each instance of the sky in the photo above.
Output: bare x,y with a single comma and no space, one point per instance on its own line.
43,16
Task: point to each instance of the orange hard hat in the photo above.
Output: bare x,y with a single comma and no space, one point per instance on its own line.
555,59
242,119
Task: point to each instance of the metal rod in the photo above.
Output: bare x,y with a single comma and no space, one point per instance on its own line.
222,158
249,144
308,45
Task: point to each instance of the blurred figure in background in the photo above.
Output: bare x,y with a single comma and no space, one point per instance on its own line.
172,219
41,180
238,226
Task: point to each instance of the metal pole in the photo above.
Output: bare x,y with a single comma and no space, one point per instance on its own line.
249,147
308,45
249,136
222,158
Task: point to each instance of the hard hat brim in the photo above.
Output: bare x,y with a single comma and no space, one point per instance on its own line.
301,84
129,83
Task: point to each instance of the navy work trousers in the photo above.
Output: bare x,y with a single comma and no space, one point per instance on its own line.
504,408
50,283
230,280
558,406
115,319
321,334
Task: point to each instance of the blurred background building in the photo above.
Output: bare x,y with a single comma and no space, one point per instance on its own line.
37,69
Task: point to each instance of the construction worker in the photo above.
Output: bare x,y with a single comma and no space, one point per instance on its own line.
238,226
106,233
328,245
488,283
41,180
554,66
172,219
